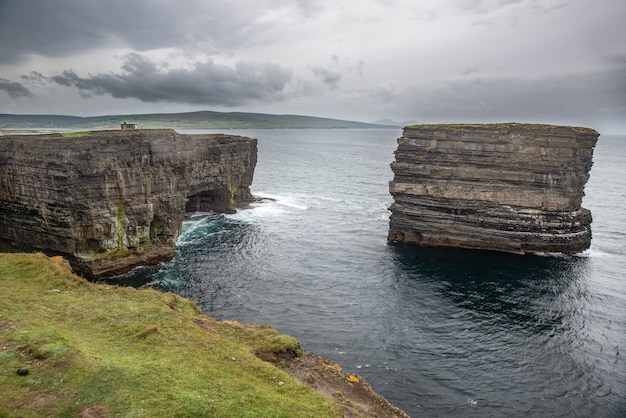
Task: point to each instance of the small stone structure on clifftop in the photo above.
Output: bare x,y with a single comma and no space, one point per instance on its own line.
506,187
124,126
112,200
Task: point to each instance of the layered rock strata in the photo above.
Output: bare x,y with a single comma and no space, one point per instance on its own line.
112,200
507,187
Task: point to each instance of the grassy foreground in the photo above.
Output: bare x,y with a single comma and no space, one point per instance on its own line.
103,351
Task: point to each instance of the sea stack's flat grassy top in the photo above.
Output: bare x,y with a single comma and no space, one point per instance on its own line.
506,126
98,350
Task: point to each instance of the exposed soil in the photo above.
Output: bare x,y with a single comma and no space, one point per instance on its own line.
97,411
352,391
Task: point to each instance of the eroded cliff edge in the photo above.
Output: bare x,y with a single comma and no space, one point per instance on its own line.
112,200
507,187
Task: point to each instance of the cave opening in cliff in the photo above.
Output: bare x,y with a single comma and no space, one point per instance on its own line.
205,201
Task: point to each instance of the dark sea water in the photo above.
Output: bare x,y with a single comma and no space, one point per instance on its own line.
438,332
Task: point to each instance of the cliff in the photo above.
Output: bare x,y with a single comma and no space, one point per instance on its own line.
507,187
111,200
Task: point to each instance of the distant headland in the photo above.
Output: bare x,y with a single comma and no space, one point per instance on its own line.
10,123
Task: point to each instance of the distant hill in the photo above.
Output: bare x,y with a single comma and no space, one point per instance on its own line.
389,122
189,120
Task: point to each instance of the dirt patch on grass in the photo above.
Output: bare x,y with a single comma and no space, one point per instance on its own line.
97,411
33,402
7,326
352,391
43,401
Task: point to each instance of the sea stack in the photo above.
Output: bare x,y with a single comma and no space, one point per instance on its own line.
507,187
109,201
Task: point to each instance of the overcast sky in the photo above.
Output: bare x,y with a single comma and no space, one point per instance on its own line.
548,61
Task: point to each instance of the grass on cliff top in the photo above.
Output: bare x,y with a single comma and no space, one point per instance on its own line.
75,134
103,351
506,125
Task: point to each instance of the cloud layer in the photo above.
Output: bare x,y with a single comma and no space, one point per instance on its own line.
14,89
61,28
206,83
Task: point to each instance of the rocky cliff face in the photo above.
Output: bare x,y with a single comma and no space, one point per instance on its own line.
507,187
112,200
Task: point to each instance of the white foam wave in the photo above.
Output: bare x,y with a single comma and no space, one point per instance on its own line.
553,255
194,223
594,252
290,201
195,215
269,206
292,204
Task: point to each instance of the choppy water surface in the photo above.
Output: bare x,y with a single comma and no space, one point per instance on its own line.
439,332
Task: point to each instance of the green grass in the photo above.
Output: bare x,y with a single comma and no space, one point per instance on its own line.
462,126
100,349
75,134
497,126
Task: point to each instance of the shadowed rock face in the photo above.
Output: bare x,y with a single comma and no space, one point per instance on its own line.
506,187
112,200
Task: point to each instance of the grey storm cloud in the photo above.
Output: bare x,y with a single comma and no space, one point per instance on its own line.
14,89
578,97
329,77
63,27
207,83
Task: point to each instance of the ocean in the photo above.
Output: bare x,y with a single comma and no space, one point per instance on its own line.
438,332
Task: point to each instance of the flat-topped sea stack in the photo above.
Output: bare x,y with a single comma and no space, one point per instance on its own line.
113,200
506,187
